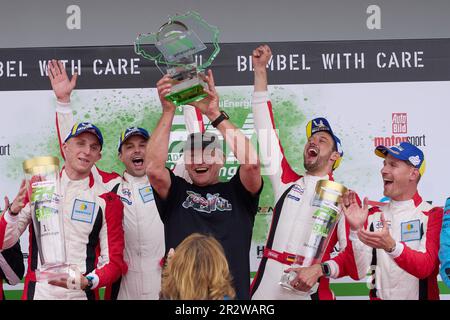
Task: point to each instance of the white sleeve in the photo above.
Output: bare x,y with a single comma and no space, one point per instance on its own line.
64,121
193,119
271,155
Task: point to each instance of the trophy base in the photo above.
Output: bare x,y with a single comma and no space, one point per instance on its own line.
186,92
49,272
285,283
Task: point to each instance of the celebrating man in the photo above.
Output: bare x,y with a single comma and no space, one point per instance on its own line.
92,221
293,197
398,242
225,210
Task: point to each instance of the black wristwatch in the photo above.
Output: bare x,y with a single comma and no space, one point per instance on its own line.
219,119
325,269
90,283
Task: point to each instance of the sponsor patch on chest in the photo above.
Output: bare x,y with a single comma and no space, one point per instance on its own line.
291,196
298,189
83,211
410,230
296,193
126,196
146,194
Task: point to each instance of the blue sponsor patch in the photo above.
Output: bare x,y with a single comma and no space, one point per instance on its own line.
146,194
290,196
411,230
83,211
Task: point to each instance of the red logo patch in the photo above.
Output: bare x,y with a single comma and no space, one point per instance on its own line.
399,123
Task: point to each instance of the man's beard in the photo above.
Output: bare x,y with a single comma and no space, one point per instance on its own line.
317,165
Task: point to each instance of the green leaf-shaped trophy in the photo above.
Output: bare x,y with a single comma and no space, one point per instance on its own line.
176,45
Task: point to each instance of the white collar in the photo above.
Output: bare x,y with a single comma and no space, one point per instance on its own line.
132,179
83,183
402,204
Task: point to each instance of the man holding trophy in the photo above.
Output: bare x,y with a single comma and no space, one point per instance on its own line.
76,235
225,210
302,228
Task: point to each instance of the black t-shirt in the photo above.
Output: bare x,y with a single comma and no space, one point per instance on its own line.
225,210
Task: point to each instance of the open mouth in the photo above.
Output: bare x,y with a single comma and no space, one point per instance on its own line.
201,170
313,152
138,161
387,182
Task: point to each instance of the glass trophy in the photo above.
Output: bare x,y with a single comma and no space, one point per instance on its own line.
179,46
43,190
326,213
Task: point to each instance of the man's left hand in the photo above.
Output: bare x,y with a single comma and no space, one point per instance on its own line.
378,239
306,277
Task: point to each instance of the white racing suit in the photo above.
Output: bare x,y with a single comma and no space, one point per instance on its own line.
292,219
410,271
94,240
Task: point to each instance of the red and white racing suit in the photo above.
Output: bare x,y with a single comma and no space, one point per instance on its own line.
144,230
94,240
410,271
291,220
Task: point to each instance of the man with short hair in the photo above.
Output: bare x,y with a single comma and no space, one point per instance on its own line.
92,221
62,88
292,218
226,210
398,242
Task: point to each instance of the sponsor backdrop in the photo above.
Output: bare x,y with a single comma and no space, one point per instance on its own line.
372,92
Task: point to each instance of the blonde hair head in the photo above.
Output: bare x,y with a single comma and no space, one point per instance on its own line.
198,270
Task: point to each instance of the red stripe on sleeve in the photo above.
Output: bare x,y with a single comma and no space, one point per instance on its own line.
112,271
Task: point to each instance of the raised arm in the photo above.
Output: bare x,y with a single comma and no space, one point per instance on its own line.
242,148
270,150
62,88
158,146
